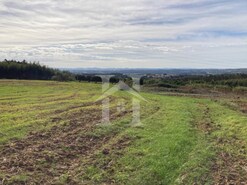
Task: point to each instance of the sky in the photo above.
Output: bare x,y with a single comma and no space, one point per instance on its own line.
125,33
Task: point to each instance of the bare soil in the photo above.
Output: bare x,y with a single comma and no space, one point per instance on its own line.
44,156
228,168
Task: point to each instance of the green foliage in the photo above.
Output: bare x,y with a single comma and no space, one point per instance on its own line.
11,69
228,80
63,76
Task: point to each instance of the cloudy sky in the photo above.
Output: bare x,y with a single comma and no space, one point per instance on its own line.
125,33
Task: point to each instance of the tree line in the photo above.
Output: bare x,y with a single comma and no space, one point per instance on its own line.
11,69
230,80
94,78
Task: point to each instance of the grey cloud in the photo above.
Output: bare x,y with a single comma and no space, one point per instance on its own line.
88,33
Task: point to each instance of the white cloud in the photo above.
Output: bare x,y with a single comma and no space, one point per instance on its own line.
116,33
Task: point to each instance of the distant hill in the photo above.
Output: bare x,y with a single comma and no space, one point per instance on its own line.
157,71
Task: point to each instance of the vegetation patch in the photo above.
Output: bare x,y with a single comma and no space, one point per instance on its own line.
51,133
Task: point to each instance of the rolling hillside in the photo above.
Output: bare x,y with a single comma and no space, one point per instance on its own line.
51,133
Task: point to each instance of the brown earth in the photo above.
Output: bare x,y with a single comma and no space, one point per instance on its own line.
228,168
45,157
